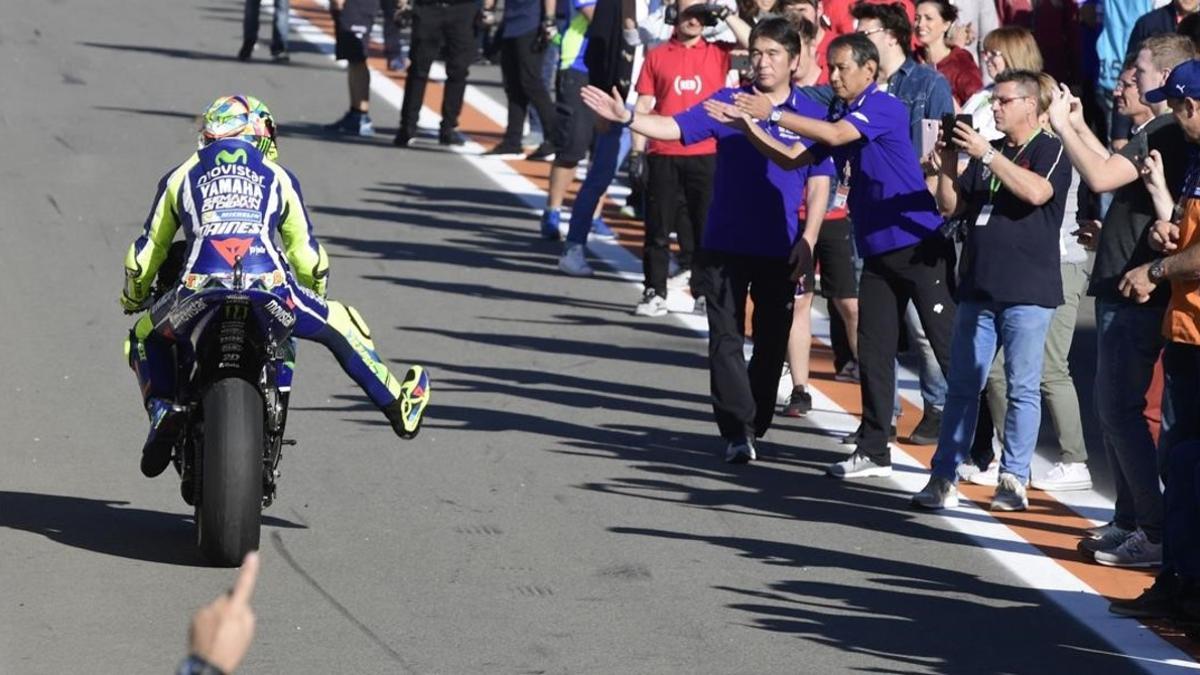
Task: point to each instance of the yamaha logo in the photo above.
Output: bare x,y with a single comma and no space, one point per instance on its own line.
692,85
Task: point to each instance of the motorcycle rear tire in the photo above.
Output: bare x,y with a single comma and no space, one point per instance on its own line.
228,518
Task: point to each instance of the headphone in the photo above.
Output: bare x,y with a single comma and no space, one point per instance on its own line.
671,16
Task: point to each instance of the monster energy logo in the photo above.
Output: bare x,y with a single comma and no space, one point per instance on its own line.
236,157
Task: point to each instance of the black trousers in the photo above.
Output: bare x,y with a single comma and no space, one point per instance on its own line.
924,274
671,181
521,69
744,396
432,25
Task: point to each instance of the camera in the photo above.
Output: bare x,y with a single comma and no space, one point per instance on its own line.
710,14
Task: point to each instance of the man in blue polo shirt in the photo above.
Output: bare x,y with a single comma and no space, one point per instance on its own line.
752,244
896,228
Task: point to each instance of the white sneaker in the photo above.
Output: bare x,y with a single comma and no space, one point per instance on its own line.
989,476
1135,551
1010,494
740,452
679,281
858,465
939,493
1065,476
573,262
652,304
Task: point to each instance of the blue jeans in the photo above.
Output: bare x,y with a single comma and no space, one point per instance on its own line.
1021,331
1128,342
279,31
606,157
933,382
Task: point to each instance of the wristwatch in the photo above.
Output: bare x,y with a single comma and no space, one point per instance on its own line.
775,116
988,156
1156,272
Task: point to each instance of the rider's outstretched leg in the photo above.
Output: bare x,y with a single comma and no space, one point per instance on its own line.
342,329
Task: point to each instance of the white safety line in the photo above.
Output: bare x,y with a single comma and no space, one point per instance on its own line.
1020,558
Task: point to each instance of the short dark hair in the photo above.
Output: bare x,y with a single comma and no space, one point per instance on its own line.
947,11
1026,78
805,28
892,17
860,46
780,30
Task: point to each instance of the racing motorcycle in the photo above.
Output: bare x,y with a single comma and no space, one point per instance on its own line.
234,351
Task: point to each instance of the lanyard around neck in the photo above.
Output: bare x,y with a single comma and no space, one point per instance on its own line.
993,182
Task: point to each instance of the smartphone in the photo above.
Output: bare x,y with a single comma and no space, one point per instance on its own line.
948,124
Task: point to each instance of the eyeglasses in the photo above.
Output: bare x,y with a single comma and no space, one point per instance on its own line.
1005,101
871,31
992,54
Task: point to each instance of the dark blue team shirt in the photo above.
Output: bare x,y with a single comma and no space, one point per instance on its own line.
755,201
521,17
889,202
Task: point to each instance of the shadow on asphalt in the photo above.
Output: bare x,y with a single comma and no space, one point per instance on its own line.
106,526
195,55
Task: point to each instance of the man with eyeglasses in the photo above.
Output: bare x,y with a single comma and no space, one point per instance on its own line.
1014,191
1128,333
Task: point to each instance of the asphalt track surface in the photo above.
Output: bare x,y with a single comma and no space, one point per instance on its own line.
564,509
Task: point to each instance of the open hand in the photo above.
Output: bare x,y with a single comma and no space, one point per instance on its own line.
726,113
607,107
757,105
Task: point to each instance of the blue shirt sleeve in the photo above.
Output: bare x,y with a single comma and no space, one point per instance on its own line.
580,4
878,115
695,125
822,165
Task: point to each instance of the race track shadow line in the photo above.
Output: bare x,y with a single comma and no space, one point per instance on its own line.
594,350
499,293
109,527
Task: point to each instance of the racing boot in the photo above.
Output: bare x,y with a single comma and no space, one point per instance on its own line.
166,421
407,411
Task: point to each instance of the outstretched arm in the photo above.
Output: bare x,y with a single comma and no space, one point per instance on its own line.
786,156
612,108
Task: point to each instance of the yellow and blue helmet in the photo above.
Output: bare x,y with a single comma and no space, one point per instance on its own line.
243,117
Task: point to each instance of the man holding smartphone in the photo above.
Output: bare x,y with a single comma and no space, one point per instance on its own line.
1014,192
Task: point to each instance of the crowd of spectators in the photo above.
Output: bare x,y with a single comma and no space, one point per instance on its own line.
954,175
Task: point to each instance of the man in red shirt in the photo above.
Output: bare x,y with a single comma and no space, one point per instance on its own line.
677,75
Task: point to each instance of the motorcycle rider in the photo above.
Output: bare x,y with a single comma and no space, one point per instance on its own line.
231,198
